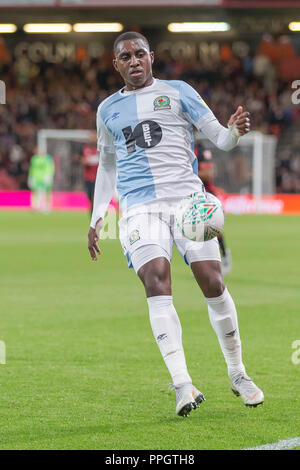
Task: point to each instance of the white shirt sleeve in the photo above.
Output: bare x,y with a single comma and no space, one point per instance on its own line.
199,114
224,138
106,173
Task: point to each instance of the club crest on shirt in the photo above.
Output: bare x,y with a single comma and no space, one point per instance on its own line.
161,102
134,236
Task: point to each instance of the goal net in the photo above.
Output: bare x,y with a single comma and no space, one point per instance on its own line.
65,146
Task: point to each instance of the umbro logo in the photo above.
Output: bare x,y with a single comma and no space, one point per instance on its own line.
115,116
161,337
231,333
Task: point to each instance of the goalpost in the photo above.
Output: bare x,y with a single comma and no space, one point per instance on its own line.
249,168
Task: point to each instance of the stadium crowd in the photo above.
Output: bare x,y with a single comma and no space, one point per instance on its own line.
66,96
288,168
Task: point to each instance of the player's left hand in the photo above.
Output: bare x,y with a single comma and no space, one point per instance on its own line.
241,120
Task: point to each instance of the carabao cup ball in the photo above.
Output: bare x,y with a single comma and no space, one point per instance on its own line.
200,217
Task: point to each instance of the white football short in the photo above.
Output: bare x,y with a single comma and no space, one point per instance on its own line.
149,231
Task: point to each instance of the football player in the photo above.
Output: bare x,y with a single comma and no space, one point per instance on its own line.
146,145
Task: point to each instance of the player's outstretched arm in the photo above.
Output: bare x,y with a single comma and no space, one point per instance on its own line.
240,120
93,238
104,185
200,115
226,138
104,190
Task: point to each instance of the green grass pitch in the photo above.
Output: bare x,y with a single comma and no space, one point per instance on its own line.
82,369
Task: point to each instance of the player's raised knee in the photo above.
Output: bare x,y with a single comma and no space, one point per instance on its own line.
214,286
157,284
156,278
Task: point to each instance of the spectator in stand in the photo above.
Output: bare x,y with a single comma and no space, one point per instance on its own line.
7,182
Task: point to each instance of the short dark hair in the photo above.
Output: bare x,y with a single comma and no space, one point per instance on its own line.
130,35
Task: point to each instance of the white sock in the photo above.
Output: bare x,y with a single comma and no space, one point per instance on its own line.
167,331
223,318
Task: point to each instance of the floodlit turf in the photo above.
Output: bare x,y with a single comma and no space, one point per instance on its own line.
83,370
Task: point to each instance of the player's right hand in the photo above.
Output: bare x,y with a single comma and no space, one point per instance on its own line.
93,237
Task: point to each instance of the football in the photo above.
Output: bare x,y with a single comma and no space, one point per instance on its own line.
200,217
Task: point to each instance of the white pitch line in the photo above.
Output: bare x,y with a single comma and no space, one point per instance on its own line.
280,445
